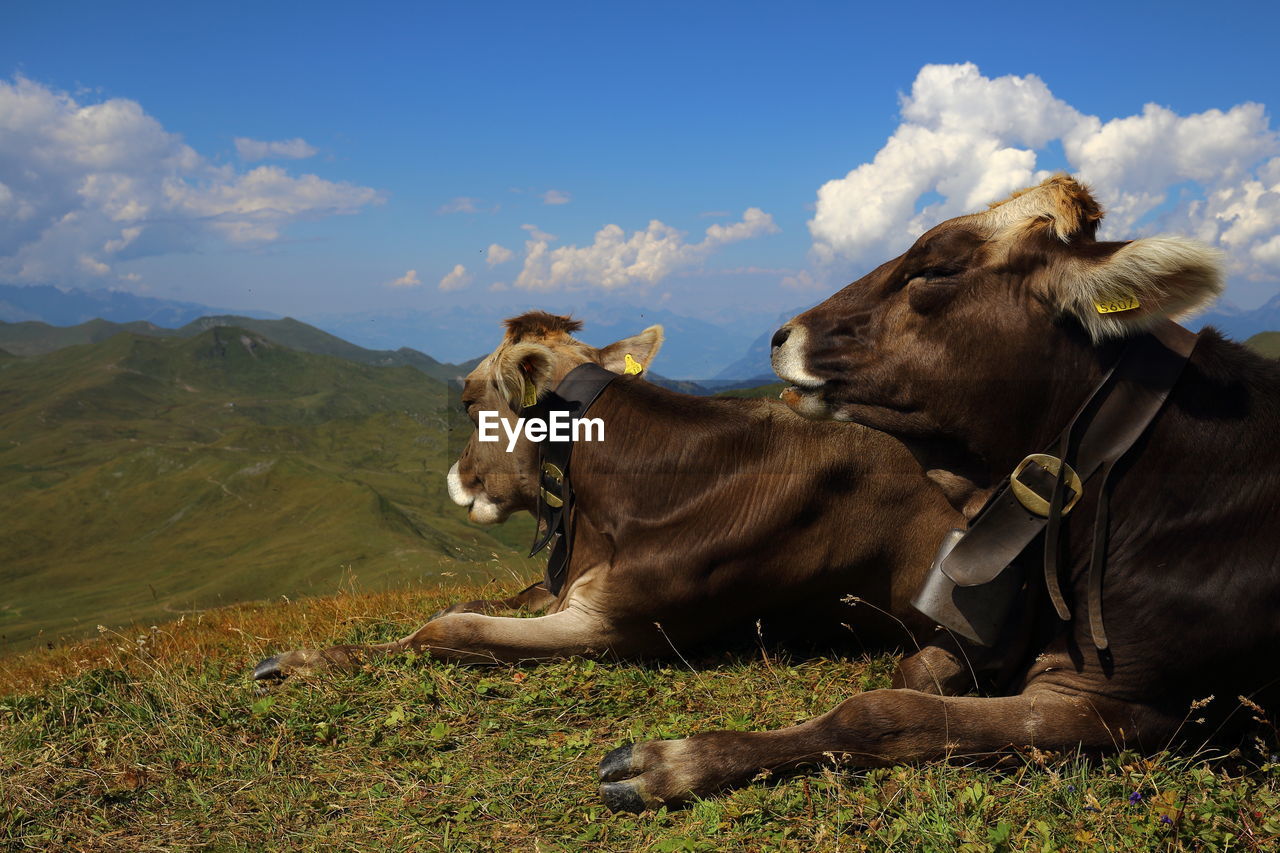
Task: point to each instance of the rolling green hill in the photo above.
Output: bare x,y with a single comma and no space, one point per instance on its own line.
300,336
1267,343
144,476
34,338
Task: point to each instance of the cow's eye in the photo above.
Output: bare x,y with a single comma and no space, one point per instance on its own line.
935,273
932,288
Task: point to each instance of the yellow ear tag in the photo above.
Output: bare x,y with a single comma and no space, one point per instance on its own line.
1115,306
632,366
530,393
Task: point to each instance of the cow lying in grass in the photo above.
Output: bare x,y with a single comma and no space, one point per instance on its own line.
692,515
975,347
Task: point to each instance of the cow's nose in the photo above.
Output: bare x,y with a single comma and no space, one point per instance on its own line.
780,337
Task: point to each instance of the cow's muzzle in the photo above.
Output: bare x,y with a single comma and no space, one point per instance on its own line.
804,392
480,507
787,354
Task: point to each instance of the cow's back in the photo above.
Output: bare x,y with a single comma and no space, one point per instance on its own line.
738,505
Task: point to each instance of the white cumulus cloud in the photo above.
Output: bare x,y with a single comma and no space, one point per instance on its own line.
497,254
556,197
803,280
468,204
83,186
536,233
616,259
461,204
456,279
281,149
966,140
409,279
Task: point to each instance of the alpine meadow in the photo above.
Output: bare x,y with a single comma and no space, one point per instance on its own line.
678,427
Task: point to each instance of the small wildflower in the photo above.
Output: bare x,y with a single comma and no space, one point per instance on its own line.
1165,819
1135,797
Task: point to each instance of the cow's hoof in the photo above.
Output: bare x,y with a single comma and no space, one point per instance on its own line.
618,764
623,796
623,789
651,774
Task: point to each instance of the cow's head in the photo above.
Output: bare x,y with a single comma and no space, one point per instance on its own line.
999,316
535,354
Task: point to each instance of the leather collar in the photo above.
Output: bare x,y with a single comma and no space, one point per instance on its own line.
1045,487
573,396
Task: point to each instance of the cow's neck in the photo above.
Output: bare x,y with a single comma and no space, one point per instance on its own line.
993,438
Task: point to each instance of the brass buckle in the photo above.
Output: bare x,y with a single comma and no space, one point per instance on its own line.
1032,501
554,472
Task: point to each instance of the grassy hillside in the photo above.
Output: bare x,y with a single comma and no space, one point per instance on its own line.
300,336
143,477
1267,343
35,338
152,739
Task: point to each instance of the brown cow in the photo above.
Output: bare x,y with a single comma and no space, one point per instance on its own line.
976,347
693,514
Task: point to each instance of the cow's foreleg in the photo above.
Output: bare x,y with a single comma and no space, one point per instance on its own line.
472,638
940,667
531,599
874,729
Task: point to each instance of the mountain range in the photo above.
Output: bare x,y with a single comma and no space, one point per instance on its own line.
32,337
714,355
1239,323
70,307
695,348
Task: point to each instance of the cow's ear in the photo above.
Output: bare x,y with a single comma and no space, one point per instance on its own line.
523,371
641,348
1119,289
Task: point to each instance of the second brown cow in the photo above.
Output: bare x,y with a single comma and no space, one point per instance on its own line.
692,515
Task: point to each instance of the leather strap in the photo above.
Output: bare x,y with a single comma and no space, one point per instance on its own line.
1106,426
573,396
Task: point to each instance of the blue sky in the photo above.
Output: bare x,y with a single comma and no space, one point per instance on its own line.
438,130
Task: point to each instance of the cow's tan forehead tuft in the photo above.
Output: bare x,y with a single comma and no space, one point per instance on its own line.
540,324
1060,202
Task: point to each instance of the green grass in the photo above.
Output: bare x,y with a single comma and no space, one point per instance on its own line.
1267,343
141,478
152,739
